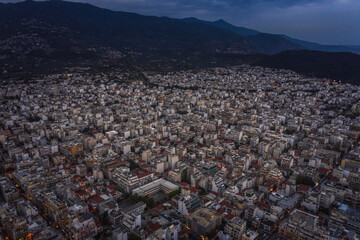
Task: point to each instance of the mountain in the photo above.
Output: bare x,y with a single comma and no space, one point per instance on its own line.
50,36
86,25
326,48
270,43
265,43
275,43
238,30
354,46
245,32
344,67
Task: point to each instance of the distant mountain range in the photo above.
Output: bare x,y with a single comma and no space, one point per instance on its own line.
275,43
61,31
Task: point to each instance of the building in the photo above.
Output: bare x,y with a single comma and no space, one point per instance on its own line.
250,235
235,228
128,181
302,225
203,221
188,204
354,180
120,233
154,187
217,185
81,170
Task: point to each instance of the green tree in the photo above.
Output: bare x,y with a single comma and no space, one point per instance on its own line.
133,236
150,202
300,179
202,191
184,176
134,198
174,193
133,165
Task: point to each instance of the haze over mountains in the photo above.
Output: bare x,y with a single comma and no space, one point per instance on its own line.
274,43
59,30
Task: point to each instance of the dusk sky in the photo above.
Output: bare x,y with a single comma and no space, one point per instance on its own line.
323,21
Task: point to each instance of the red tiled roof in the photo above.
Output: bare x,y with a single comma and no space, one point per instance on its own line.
304,188
262,204
220,210
322,171
96,199
172,202
153,226
159,207
229,216
141,175
334,179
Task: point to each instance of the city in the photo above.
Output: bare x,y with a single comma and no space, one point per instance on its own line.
240,152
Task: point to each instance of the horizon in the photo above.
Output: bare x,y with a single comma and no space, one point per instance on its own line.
334,22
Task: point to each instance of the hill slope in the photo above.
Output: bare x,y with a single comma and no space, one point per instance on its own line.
82,24
275,43
245,32
265,43
339,66
48,36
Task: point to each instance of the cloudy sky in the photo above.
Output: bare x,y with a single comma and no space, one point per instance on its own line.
323,21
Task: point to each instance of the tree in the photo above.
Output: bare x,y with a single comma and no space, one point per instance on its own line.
202,191
133,165
184,176
134,198
150,202
300,179
133,236
174,193
182,112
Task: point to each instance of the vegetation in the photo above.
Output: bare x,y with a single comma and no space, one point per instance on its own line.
148,200
174,193
342,66
133,236
133,165
300,179
184,176
202,191
181,112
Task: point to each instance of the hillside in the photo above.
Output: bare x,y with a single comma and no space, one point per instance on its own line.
61,23
275,43
50,36
344,67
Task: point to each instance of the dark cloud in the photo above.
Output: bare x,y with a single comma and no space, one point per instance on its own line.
324,21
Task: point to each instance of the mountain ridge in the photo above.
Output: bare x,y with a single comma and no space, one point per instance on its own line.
49,36
281,38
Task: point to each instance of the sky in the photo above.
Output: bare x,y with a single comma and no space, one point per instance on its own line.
323,21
